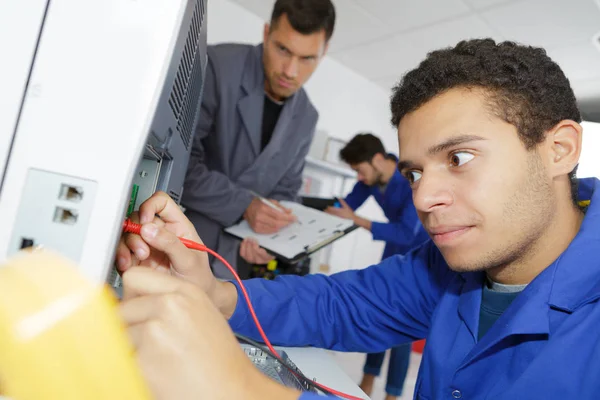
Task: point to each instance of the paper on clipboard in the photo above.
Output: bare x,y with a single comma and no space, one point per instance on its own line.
314,230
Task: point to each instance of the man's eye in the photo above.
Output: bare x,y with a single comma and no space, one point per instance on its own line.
460,158
413,176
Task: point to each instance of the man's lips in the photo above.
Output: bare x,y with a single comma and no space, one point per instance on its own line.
284,83
446,234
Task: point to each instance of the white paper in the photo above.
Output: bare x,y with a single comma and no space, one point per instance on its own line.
312,228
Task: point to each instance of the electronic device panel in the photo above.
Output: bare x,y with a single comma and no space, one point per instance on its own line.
101,101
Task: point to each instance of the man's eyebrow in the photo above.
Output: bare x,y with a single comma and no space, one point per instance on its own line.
451,142
402,165
445,145
278,43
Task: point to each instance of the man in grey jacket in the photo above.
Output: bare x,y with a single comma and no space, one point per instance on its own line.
255,128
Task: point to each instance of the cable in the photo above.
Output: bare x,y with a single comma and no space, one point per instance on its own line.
131,227
295,371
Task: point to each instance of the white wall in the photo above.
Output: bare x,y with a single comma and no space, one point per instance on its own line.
347,103
589,162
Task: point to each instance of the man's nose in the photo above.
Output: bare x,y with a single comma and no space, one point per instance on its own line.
291,68
433,191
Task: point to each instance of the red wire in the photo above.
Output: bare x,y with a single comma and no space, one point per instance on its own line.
131,227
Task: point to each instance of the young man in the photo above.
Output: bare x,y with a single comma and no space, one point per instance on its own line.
378,176
255,128
506,292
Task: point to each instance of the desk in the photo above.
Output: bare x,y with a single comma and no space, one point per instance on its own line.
316,363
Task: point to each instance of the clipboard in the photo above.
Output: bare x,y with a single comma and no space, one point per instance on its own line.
319,203
313,231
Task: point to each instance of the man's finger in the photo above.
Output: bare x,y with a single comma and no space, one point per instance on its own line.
132,243
278,217
137,335
252,245
141,281
282,224
163,205
137,246
334,211
289,218
266,230
123,257
258,251
264,256
344,204
275,214
278,204
331,210
271,212
266,221
163,240
137,310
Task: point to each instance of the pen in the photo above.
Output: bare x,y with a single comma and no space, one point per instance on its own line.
272,205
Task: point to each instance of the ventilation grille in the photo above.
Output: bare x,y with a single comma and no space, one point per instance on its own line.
174,195
188,82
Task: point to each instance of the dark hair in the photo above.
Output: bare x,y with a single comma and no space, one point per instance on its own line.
306,16
522,85
362,148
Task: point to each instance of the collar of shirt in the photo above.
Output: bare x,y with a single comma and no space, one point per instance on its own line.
568,283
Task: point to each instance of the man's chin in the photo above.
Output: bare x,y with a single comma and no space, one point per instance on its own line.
285,94
461,263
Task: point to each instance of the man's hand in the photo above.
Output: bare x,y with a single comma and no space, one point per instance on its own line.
159,248
347,212
265,219
183,345
253,253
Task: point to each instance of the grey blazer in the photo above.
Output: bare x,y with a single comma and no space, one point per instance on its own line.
226,164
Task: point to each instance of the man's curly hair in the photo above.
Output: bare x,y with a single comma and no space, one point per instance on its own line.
522,85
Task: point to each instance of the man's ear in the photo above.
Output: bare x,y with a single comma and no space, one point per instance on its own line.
266,31
564,142
378,159
325,49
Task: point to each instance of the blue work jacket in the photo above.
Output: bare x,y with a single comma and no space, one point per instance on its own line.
546,345
404,230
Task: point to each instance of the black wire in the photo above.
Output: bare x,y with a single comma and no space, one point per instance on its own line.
293,370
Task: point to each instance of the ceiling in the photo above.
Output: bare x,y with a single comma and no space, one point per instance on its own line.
382,39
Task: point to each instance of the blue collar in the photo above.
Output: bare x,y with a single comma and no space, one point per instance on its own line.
397,177
577,271
570,282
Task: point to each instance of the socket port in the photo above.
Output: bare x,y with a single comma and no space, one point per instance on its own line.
65,216
70,193
26,242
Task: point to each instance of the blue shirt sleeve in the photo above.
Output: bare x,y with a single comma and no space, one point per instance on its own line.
367,310
404,228
359,194
313,396
408,232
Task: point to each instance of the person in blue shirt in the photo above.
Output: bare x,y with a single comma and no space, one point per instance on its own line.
378,176
506,292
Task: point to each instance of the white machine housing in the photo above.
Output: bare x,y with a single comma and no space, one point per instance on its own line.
92,94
